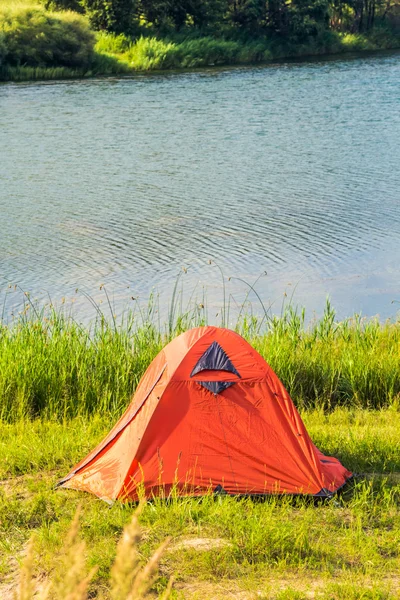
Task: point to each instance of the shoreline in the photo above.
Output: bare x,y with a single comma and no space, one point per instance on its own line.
121,69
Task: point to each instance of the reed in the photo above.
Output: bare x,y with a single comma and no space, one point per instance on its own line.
53,367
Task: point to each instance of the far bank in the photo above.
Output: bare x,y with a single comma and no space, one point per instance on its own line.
154,55
37,43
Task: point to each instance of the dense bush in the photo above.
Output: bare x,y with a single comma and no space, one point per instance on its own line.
36,38
181,13
307,18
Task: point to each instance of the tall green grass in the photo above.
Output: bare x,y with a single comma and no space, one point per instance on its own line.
51,366
149,53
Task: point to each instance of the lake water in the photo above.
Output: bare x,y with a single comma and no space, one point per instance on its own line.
290,170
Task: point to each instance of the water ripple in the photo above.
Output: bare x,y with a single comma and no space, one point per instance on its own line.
290,169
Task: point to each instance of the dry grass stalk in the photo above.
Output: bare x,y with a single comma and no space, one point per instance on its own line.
126,565
145,577
25,588
129,580
75,580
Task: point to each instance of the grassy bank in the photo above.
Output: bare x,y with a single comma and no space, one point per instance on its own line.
40,44
77,380
220,548
52,367
151,53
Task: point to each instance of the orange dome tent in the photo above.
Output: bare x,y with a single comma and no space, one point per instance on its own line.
209,413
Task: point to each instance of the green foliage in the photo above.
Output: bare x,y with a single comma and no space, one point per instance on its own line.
307,18
164,14
197,13
38,44
63,5
247,14
36,38
102,64
151,53
110,15
205,13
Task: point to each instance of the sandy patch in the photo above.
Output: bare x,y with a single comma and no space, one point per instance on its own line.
200,544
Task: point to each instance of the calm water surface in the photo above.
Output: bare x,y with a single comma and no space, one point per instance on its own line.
292,170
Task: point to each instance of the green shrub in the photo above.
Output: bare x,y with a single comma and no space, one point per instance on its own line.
36,38
356,42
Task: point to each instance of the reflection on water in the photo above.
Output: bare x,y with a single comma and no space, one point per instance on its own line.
288,169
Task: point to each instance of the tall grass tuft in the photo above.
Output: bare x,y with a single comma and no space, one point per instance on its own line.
150,53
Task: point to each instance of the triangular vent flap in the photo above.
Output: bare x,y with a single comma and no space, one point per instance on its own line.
214,359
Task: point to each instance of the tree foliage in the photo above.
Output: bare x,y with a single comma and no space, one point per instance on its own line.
177,14
286,22
110,15
307,18
63,5
294,20
247,14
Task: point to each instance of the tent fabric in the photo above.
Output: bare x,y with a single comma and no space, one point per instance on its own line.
216,387
209,413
